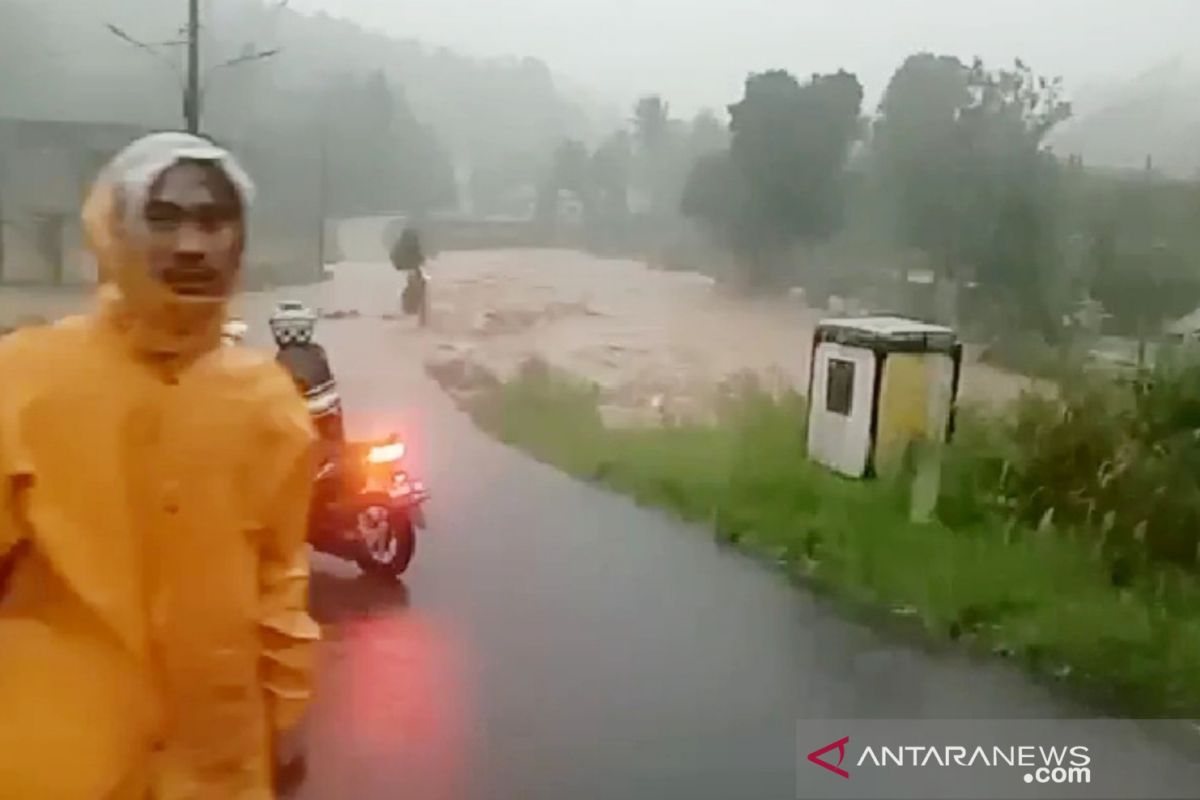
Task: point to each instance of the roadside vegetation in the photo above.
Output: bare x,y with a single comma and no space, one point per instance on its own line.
1066,537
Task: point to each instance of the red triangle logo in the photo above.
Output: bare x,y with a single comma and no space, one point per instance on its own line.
840,746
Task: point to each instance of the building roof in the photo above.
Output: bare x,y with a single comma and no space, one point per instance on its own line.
886,325
888,333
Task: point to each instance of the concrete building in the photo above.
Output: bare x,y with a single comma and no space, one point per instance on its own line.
46,168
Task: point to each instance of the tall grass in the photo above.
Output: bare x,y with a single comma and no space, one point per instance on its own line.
975,576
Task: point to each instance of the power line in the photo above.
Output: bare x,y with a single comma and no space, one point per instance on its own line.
246,59
143,46
190,83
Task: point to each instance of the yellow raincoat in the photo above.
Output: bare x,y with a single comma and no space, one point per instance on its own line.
154,637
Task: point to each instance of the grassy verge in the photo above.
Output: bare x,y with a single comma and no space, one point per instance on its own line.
1044,598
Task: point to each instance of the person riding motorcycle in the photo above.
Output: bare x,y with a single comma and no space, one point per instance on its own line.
292,326
407,255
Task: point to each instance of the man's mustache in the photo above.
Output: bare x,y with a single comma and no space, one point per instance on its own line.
194,279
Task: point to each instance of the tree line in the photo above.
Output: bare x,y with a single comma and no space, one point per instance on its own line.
358,97
952,172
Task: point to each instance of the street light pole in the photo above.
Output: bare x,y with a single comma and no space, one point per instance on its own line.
192,94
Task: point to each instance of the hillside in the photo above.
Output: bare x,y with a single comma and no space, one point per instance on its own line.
1155,114
59,60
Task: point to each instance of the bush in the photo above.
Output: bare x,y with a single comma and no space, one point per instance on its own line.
1024,352
974,471
1117,461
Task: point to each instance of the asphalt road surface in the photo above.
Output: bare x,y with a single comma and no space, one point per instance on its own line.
555,641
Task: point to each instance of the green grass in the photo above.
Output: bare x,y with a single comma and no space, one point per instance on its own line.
985,583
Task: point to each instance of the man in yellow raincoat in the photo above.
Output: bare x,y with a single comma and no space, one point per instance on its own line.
154,638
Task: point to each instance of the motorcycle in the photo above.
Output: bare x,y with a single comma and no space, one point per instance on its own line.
366,507
373,511
414,300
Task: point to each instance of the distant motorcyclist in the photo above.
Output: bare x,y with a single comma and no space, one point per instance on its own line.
408,256
292,326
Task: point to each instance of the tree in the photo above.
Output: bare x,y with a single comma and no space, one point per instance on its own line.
610,175
378,102
426,172
717,195
960,152
916,150
791,143
707,135
382,158
658,151
1142,246
651,119
499,183
570,170
784,170
1014,192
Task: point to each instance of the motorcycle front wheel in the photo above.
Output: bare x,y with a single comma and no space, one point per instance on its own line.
389,542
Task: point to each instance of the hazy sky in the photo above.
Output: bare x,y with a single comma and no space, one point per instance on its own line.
697,52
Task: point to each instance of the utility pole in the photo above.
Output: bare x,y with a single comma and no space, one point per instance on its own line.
323,200
2,224
192,93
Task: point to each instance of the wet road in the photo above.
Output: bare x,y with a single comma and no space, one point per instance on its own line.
555,641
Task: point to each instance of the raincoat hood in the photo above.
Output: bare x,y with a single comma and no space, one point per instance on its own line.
156,320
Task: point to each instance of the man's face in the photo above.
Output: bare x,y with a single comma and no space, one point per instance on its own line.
195,230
